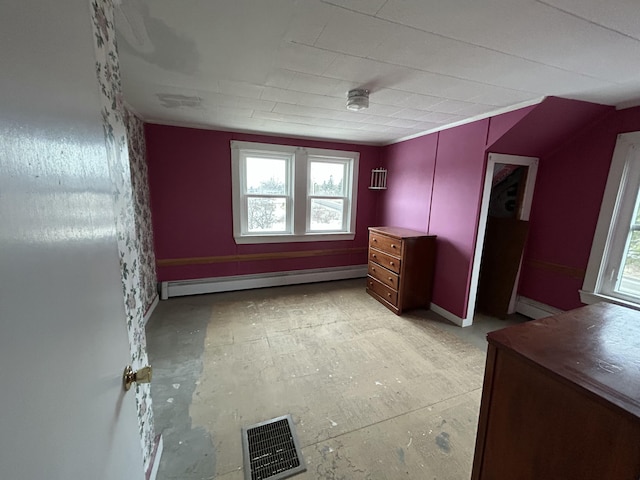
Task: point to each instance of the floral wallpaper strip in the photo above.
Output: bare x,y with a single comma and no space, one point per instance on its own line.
142,208
113,116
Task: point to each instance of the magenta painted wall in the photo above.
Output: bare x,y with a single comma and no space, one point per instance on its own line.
566,204
447,202
435,184
407,200
457,191
190,181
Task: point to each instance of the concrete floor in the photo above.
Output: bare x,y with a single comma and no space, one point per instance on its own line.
373,395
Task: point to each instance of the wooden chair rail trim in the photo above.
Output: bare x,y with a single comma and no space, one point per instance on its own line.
173,262
573,272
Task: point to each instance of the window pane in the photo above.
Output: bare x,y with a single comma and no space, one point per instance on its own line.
636,211
327,178
266,176
267,214
326,214
630,280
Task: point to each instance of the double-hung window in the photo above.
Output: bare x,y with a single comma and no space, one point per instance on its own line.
292,194
613,272
328,194
267,194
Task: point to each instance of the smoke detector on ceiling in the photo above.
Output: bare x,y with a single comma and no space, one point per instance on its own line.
358,99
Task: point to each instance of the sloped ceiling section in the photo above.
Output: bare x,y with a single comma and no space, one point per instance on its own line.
546,125
285,66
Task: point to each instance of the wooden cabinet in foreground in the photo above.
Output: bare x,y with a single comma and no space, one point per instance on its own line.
561,398
401,263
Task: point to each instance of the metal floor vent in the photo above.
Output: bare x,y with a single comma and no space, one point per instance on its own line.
271,450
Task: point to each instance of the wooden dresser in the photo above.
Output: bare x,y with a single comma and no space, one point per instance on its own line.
561,398
401,263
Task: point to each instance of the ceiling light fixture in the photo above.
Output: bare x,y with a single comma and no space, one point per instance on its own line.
358,99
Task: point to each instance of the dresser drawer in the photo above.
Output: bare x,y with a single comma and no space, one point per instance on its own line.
386,244
385,276
382,291
387,261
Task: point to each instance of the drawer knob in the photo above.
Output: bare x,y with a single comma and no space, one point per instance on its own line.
375,239
391,263
393,245
391,279
388,294
373,269
374,255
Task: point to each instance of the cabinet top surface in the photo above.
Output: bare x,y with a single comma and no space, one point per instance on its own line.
399,232
596,347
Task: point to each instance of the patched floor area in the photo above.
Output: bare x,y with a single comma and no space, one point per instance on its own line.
373,395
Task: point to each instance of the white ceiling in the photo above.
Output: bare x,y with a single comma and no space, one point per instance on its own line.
285,66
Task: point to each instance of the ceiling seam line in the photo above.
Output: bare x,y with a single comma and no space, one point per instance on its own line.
393,88
355,130
591,22
385,104
383,5
412,68
363,122
393,22
221,128
320,34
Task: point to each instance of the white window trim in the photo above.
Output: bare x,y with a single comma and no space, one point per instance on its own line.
347,165
300,186
623,175
289,157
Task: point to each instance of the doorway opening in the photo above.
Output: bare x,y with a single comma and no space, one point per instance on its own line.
502,232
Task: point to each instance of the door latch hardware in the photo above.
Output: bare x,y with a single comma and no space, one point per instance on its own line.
141,376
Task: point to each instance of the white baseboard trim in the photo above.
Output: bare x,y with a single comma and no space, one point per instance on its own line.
150,310
246,282
534,309
461,322
152,471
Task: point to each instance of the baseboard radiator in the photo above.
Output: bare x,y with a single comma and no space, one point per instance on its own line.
181,288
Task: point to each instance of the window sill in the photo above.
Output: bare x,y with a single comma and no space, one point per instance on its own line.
592,297
310,237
